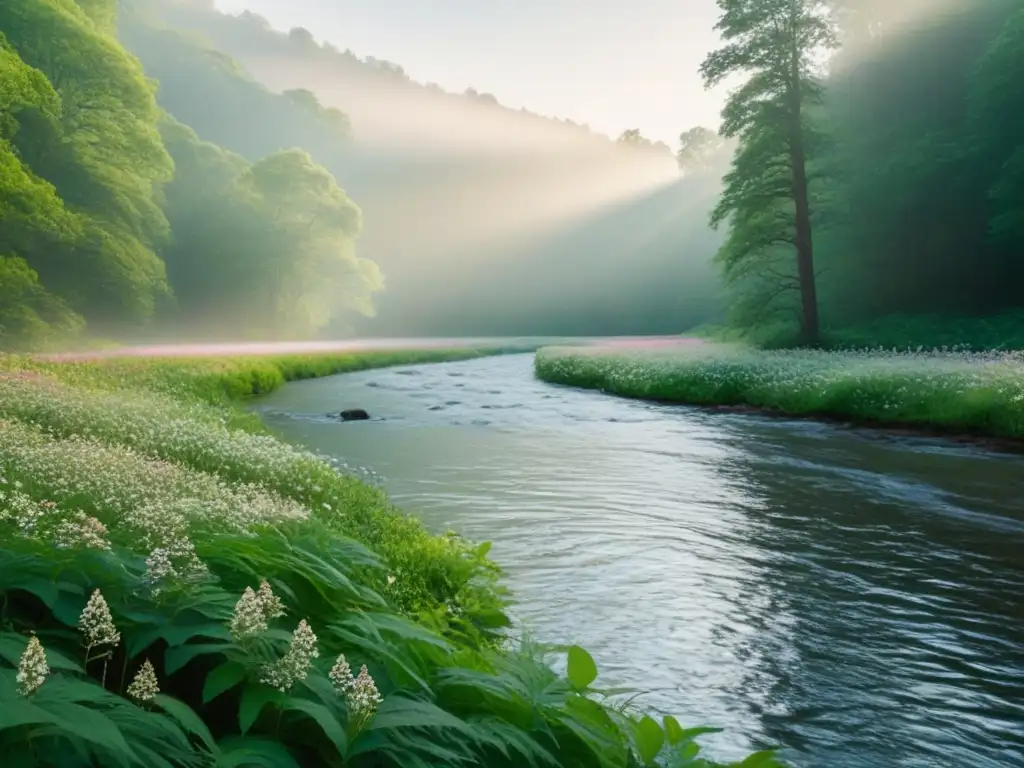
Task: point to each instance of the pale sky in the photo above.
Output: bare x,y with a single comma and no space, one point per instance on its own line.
612,64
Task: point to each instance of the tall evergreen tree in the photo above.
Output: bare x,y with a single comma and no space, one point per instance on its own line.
777,45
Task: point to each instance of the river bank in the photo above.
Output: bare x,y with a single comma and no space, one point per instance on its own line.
143,479
972,396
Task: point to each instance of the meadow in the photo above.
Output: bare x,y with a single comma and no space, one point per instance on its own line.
180,588
959,392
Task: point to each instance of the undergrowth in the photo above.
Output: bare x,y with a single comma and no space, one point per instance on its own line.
970,393
178,588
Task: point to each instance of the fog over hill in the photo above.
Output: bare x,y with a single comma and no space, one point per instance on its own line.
481,218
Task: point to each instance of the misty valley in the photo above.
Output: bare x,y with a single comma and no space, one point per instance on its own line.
350,419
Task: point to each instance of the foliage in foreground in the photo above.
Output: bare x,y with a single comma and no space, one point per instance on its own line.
176,592
980,393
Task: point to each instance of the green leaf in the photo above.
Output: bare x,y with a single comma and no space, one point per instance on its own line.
176,658
582,669
649,739
19,713
324,718
483,549
223,678
254,697
400,712
254,752
187,719
763,759
676,733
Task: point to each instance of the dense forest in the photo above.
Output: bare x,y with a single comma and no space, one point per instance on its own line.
169,170
914,154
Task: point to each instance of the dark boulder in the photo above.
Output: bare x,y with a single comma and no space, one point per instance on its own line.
354,414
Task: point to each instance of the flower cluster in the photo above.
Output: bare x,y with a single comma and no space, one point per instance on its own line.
32,668
145,685
360,692
294,665
253,610
97,624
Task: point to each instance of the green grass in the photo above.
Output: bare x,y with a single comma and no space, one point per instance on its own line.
143,479
959,392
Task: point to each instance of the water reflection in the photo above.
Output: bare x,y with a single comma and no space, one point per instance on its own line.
855,598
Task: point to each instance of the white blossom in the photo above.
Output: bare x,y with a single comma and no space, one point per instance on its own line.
294,665
341,675
362,697
145,685
248,619
269,602
97,624
32,668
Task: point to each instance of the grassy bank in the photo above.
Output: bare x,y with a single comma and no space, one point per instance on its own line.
178,588
967,393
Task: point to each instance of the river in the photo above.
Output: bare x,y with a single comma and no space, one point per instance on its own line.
854,597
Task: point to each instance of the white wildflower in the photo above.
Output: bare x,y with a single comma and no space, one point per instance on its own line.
248,620
80,530
362,697
294,665
341,675
97,624
145,686
32,669
269,602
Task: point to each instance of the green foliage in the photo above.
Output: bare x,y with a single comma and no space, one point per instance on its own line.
105,160
265,249
773,43
29,315
210,647
950,391
915,197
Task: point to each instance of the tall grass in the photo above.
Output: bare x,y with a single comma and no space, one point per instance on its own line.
973,393
178,591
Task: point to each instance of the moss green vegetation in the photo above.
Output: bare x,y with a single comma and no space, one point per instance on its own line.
179,591
972,393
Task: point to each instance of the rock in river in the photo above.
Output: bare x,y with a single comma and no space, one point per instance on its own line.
354,414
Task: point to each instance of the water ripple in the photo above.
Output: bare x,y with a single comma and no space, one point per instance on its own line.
855,597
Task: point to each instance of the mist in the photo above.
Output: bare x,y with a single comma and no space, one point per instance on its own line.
482,219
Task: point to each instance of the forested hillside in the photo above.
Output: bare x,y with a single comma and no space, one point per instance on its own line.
483,219
915,168
114,215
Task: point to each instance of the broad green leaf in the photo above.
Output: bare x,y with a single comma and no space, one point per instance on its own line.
649,739
254,697
254,752
16,713
763,759
223,678
176,658
323,717
187,719
676,733
582,669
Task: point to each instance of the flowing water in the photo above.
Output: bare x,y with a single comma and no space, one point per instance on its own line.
854,597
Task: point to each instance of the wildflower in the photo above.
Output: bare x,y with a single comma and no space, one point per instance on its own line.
145,686
341,675
362,697
97,624
269,602
80,530
32,669
294,665
159,565
248,619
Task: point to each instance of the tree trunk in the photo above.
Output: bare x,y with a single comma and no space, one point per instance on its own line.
804,243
